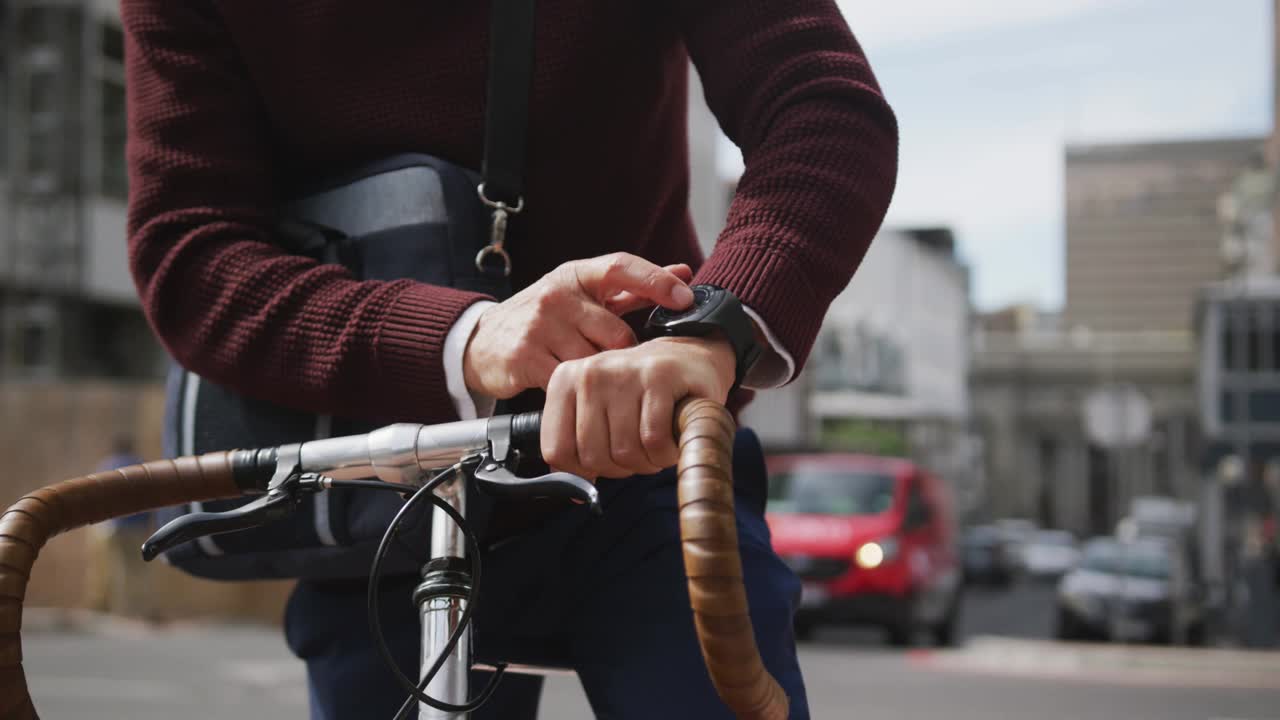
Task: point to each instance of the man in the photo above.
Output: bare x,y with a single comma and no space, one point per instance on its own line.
232,101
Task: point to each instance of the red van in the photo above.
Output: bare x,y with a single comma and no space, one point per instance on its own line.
872,539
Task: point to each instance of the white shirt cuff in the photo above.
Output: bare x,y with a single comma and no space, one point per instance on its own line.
775,367
469,406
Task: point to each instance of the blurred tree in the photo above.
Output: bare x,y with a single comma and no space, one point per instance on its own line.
866,436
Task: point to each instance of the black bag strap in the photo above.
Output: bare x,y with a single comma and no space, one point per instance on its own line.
507,116
506,122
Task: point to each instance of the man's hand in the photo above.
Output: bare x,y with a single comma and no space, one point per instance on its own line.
610,415
571,313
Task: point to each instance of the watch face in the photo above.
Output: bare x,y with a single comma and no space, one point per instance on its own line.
704,297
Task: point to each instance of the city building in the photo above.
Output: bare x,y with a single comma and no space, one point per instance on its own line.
889,371
1024,318
708,198
1143,229
1143,235
1238,327
67,303
1029,393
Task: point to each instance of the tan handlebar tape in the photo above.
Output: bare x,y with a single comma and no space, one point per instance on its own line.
713,564
29,523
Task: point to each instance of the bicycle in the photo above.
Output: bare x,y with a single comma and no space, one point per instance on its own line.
429,463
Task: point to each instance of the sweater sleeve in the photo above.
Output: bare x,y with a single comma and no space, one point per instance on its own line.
791,87
225,301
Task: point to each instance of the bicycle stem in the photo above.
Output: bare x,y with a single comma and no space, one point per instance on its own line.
398,453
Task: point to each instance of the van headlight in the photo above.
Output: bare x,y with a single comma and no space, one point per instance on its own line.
876,553
1083,604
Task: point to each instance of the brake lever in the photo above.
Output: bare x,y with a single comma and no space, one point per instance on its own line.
494,478
284,493
266,509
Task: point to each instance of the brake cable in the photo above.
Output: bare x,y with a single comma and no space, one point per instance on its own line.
417,690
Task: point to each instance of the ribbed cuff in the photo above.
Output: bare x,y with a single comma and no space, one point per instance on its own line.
774,287
410,350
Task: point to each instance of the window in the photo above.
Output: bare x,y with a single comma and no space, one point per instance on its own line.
1253,348
1142,559
1250,338
35,345
48,46
1227,341
114,178
4,87
34,335
828,360
1273,337
830,492
112,40
918,511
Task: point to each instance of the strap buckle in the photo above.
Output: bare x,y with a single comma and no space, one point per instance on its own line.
497,232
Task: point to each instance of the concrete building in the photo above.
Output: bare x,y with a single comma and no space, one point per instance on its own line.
67,302
1239,370
1143,229
888,373
1029,389
708,196
1143,235
895,343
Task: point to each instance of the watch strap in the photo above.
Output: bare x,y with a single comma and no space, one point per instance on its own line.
726,316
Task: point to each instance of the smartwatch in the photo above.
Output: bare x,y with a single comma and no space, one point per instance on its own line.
714,311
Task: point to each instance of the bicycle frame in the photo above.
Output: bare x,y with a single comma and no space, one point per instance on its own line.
441,598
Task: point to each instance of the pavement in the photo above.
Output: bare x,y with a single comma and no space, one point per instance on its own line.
1007,668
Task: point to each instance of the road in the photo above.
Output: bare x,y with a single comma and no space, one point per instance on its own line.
113,671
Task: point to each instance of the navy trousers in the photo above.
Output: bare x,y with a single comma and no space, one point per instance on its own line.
604,596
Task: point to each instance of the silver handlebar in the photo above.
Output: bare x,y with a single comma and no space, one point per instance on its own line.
397,453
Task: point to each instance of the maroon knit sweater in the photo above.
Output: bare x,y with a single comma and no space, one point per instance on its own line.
232,102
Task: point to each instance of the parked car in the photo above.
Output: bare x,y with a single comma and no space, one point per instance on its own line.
1049,554
873,541
987,556
1016,532
1139,591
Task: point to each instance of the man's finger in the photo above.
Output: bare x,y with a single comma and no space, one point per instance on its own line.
540,369
559,424
626,302
604,277
604,329
567,342
624,433
594,450
657,434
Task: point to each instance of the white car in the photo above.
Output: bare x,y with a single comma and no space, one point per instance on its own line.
1050,553
1016,533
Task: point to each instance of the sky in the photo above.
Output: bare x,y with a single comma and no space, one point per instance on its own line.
988,93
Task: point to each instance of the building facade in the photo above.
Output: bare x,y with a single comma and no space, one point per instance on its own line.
1143,230
67,302
889,371
1143,236
1029,393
